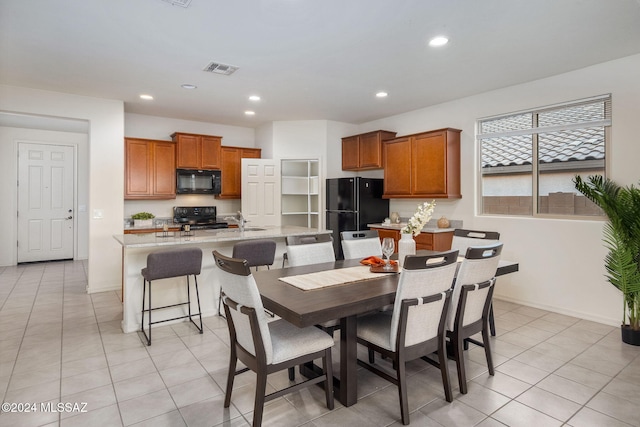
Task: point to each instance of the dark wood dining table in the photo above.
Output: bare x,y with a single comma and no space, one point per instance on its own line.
345,301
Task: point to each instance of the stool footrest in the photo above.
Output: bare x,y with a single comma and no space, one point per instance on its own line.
166,306
175,318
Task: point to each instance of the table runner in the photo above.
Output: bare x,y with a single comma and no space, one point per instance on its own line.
323,279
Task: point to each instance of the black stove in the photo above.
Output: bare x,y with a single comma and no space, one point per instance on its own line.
197,217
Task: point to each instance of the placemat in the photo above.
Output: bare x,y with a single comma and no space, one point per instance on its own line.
323,279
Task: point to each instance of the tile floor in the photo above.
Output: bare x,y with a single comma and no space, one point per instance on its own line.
58,344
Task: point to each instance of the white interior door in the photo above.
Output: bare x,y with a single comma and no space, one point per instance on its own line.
261,192
45,202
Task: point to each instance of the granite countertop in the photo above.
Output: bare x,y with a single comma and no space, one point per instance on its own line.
427,229
212,236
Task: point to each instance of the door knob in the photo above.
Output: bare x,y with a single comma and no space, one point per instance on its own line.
70,217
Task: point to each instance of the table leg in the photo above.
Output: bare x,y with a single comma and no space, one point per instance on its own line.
348,392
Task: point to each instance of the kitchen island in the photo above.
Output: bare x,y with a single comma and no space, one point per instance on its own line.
136,247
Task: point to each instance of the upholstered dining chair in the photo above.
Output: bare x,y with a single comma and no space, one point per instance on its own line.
360,244
265,347
315,249
470,303
462,239
311,249
416,327
258,253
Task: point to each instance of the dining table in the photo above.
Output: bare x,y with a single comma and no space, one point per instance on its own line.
344,301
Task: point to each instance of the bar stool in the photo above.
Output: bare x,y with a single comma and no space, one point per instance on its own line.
167,264
257,253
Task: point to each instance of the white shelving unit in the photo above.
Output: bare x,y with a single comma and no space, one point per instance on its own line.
300,188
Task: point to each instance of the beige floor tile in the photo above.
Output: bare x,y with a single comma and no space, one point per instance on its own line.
453,414
108,417
182,373
589,418
568,389
144,407
549,403
517,414
189,392
615,407
138,386
522,371
539,360
95,399
126,371
503,384
170,419
210,412
583,375
483,399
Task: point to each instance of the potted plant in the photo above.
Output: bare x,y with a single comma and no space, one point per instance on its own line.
143,219
621,205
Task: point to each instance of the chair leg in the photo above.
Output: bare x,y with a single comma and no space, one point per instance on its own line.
195,280
459,355
444,369
372,357
220,304
487,350
261,389
233,360
327,366
402,391
292,374
144,291
492,322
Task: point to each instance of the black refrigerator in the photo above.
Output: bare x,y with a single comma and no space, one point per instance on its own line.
352,203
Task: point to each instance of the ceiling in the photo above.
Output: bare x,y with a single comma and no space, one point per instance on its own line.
322,59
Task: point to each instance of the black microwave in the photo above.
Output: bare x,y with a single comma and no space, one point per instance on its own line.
191,181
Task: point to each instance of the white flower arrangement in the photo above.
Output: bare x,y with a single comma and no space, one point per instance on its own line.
420,218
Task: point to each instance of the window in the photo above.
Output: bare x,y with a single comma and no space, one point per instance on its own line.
538,153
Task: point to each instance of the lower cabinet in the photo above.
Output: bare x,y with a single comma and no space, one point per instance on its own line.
426,241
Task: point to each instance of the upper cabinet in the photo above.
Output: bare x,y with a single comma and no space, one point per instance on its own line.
424,165
150,171
232,169
364,152
197,151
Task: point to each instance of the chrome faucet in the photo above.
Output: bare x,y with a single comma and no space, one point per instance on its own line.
239,219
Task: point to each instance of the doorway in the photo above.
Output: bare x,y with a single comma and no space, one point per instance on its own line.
46,200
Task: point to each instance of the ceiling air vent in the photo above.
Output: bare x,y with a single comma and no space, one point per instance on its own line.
182,3
218,68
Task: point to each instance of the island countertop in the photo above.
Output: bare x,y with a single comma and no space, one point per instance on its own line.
151,240
401,225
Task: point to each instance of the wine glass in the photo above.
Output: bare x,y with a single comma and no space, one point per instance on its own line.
388,247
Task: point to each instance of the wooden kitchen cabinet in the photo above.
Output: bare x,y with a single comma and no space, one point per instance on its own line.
197,151
424,165
150,171
440,241
231,161
364,151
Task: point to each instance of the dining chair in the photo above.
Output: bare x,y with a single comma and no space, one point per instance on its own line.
461,241
360,244
470,303
416,327
262,347
314,249
311,249
259,252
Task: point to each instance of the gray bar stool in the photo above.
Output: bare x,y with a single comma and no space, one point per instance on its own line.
167,264
257,253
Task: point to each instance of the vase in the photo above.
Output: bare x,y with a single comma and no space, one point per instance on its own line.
443,222
406,246
630,336
394,217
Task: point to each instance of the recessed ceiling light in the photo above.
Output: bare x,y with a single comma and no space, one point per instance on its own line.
254,98
188,86
146,97
250,113
382,94
438,41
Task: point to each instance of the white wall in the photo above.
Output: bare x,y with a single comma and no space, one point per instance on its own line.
106,168
10,137
561,261
161,128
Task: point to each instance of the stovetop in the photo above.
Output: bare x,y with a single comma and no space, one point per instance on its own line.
198,217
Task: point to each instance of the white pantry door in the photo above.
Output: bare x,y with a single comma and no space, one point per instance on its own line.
45,202
261,192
